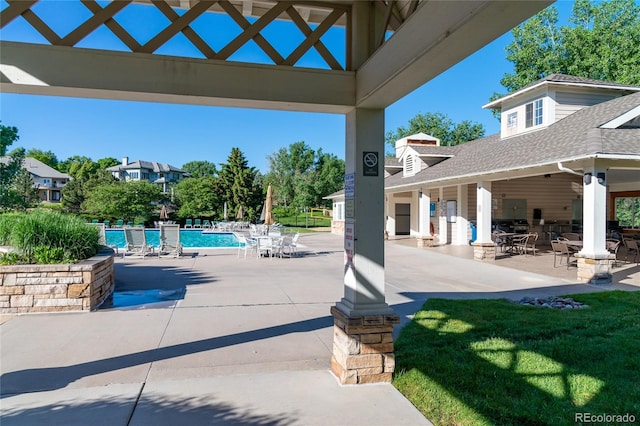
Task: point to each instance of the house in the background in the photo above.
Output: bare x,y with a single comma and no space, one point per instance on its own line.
164,175
567,159
48,180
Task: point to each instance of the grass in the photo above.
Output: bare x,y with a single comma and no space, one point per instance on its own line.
46,237
486,362
304,220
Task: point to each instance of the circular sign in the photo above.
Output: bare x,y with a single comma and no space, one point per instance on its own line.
370,159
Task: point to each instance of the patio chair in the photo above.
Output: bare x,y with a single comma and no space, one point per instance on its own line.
499,238
560,249
119,223
519,243
106,223
632,247
265,246
530,245
197,223
612,247
170,241
136,243
206,224
289,244
102,240
572,236
246,245
188,223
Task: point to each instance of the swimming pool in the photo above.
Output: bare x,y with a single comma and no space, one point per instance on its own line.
190,238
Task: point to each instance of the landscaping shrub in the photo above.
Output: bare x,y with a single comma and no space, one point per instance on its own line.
48,237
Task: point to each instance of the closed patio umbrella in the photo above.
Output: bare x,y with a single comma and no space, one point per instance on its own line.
225,215
268,207
239,214
163,213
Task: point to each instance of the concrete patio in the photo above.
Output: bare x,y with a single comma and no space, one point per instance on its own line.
211,338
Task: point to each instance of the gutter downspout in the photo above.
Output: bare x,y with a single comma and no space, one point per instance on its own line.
567,170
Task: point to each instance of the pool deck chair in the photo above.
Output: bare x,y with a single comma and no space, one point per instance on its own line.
103,236
197,223
136,243
188,223
170,241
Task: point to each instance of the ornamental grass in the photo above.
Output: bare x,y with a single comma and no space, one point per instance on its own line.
46,237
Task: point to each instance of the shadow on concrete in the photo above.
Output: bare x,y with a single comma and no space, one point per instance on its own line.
58,377
159,410
162,287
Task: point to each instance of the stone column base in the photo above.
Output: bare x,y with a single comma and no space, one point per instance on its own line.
484,251
595,271
363,348
426,241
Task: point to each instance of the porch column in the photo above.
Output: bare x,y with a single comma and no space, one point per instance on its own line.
462,222
425,239
594,261
483,247
443,235
363,321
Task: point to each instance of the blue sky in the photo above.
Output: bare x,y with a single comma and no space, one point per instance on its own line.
177,134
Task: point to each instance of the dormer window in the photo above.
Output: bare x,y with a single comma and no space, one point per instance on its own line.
512,120
533,113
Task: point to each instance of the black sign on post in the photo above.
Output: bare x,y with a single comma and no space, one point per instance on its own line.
370,163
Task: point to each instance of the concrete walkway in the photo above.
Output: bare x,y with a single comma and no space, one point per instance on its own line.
215,339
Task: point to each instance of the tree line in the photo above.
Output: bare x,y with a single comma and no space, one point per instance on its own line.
299,175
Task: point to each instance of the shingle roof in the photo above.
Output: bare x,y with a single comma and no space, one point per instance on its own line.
575,136
567,80
150,165
38,168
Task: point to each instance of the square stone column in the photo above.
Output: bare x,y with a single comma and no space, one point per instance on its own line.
363,348
363,332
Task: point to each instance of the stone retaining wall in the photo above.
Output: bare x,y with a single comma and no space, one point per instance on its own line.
61,287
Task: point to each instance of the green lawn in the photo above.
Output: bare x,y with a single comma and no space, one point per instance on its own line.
494,362
304,220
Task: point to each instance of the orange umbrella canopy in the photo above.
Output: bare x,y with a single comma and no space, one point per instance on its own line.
268,207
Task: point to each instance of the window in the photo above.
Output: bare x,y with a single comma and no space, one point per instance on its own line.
145,176
627,211
512,120
533,113
134,175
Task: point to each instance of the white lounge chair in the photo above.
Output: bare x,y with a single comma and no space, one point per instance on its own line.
136,243
170,240
246,245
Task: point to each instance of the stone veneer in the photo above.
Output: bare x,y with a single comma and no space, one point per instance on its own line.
60,287
595,271
363,348
484,251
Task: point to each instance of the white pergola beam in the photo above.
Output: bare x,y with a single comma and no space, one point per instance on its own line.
438,35
85,73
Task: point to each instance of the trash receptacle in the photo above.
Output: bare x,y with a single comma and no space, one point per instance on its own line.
474,232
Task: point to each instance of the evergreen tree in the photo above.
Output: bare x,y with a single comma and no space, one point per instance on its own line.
238,186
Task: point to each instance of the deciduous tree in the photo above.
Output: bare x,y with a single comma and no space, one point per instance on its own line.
601,42
440,126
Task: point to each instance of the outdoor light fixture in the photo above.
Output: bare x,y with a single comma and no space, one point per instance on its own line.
601,178
587,178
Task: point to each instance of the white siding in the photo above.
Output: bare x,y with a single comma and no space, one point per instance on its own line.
570,101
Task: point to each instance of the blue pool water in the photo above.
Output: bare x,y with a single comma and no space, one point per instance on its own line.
190,238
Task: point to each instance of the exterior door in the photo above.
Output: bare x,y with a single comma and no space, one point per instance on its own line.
403,219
